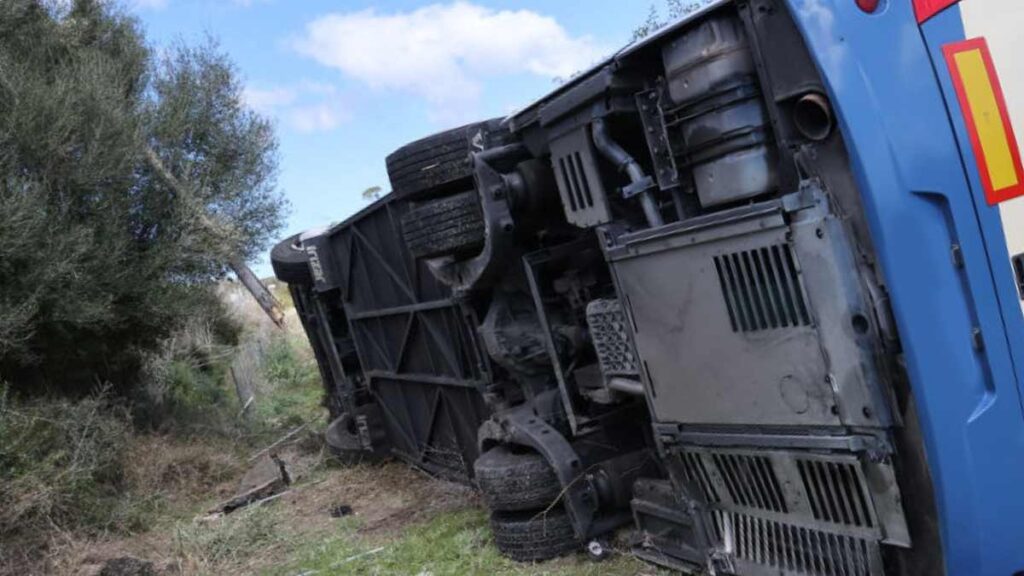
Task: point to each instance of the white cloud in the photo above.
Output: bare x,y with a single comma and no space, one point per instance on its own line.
149,4
305,107
316,117
268,100
444,52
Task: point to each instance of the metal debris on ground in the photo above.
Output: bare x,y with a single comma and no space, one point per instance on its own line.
341,511
266,480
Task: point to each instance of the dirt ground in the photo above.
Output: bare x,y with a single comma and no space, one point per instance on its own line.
382,498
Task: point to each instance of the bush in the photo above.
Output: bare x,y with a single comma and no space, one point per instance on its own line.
75,471
62,466
184,382
190,388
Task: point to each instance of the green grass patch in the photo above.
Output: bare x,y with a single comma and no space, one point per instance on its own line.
295,393
453,543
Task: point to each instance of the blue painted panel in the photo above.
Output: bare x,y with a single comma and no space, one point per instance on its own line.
918,200
945,28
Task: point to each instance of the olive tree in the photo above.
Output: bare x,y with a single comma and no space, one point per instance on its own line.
99,260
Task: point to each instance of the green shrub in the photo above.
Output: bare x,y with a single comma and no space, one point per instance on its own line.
190,389
185,387
62,466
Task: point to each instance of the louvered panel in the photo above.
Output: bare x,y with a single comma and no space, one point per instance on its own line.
836,492
765,546
762,289
750,481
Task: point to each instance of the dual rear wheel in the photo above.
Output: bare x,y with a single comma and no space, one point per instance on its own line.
528,520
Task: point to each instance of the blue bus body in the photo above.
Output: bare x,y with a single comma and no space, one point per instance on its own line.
960,323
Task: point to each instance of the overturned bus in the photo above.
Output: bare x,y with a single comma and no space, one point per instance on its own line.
744,285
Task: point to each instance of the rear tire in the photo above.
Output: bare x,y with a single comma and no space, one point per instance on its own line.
290,262
448,226
512,482
436,164
534,536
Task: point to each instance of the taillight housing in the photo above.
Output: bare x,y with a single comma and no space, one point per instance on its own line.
869,6
925,9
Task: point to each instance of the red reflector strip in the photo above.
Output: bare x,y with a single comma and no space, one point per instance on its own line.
925,9
988,122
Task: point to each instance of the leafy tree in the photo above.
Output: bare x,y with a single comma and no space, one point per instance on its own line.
99,261
674,8
372,193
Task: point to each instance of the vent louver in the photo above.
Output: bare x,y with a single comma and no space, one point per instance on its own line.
577,185
751,481
697,474
762,289
836,492
789,513
796,550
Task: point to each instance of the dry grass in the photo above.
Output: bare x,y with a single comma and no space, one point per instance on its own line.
79,483
178,471
416,523
163,480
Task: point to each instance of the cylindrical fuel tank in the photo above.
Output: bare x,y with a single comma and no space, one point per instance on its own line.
718,126
707,59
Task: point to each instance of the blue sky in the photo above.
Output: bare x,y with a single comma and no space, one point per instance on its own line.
347,82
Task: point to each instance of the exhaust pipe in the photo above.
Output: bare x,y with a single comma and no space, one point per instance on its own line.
812,116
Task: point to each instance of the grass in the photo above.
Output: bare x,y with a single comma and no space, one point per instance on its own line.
295,394
453,543
295,536
227,545
280,291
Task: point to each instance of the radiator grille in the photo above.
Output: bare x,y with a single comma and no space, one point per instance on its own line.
796,550
791,513
696,472
762,289
820,490
750,481
836,492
